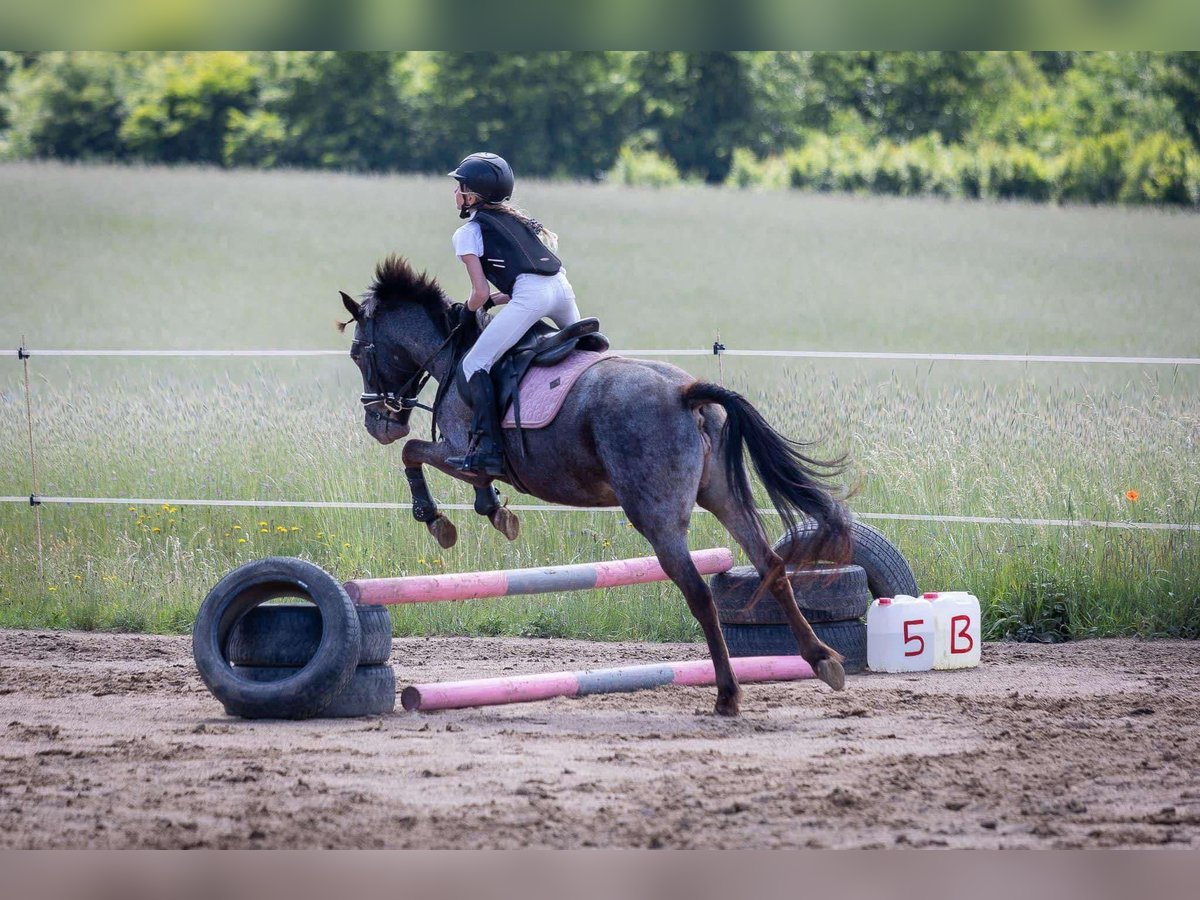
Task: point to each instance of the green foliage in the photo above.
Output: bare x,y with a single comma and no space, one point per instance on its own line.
1015,172
700,106
338,110
908,94
829,164
643,168
1180,81
1094,169
68,106
921,167
552,113
1012,124
748,171
1106,92
181,107
254,140
1158,172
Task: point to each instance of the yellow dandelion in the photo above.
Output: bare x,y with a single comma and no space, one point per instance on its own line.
241,540
420,560
295,528
263,531
262,524
236,527
320,534
167,507
155,530
346,545
281,529
51,588
78,577
133,509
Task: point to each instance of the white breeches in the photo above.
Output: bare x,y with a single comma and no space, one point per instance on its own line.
533,297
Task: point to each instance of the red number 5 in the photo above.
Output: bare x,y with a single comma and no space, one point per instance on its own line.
909,638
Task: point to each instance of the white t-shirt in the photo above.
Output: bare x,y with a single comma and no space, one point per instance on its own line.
468,239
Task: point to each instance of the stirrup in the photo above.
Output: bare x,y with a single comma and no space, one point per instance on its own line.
480,463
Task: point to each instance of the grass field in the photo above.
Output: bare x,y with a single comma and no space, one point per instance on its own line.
151,258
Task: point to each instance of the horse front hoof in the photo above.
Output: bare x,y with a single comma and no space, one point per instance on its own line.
831,672
443,532
506,522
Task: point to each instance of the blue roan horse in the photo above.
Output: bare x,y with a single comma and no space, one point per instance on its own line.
641,434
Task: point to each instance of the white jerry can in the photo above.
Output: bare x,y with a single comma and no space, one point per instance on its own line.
900,634
957,642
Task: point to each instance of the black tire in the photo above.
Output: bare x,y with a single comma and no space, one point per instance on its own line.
888,572
371,691
288,634
847,638
824,594
321,679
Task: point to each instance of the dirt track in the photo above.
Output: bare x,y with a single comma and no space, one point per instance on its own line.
112,741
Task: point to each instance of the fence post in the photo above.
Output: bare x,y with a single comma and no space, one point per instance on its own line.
23,355
718,349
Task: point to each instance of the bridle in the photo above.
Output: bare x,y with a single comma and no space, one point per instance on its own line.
394,405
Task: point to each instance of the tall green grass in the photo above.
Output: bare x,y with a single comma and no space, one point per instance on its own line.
102,257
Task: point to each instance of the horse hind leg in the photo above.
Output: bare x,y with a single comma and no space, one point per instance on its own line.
676,560
825,661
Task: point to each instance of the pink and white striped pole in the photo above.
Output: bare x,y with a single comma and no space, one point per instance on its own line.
526,688
510,582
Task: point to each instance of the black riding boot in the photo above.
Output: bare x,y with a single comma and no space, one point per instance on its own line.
486,456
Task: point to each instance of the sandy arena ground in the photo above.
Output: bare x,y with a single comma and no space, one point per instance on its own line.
112,741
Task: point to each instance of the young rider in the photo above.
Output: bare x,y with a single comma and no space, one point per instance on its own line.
515,253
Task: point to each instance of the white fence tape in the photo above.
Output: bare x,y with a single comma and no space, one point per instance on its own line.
333,504
779,354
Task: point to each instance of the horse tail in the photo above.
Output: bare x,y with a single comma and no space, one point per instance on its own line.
793,480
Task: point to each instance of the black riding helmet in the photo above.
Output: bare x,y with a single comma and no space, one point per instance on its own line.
487,175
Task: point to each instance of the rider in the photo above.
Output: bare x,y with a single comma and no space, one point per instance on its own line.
515,253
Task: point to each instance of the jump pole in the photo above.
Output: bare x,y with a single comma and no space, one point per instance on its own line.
510,582
526,688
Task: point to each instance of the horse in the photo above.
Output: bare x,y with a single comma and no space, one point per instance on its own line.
635,433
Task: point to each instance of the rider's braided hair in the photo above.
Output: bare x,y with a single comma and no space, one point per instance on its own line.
545,235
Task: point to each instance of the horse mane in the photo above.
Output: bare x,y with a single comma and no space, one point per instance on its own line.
397,282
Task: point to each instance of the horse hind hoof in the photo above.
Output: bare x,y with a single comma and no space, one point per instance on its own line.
506,522
729,707
443,531
831,672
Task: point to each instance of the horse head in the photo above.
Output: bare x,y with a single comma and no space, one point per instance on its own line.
399,326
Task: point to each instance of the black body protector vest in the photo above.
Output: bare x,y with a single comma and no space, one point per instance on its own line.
510,248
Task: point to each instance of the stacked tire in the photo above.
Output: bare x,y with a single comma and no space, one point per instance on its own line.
326,657
834,599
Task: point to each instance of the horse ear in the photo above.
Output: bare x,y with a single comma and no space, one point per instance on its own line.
355,309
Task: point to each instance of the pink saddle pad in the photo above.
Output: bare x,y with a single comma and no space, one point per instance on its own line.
544,388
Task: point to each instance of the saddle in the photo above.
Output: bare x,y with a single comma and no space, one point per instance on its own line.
541,345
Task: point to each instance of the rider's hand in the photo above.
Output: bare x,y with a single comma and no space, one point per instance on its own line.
499,298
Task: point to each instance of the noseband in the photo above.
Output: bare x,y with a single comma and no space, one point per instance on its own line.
398,403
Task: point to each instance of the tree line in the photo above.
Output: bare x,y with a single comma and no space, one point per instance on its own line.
1103,126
